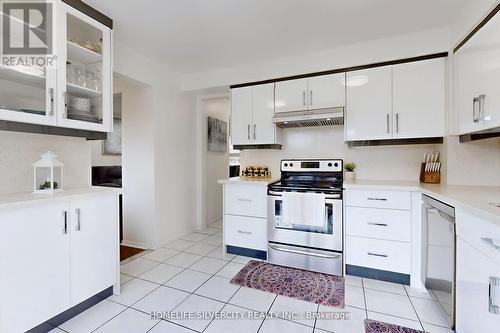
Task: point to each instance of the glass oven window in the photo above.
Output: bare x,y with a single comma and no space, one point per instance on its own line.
326,229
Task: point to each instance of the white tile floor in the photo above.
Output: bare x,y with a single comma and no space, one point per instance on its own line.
192,275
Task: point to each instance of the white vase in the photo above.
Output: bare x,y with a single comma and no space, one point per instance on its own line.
350,175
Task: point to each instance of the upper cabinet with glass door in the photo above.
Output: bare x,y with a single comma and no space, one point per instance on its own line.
84,72
28,69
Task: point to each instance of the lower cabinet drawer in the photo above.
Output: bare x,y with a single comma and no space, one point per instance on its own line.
246,232
378,223
378,199
378,254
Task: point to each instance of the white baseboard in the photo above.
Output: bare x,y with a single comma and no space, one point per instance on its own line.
135,244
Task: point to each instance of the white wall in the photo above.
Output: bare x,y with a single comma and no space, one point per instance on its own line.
420,43
158,166
385,162
217,163
18,151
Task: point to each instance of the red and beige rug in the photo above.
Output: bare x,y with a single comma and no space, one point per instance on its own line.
307,286
373,326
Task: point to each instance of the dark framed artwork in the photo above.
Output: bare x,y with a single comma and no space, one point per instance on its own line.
217,135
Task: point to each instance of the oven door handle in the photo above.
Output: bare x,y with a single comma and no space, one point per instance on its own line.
330,196
319,255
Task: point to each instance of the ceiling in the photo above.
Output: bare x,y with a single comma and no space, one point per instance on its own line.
199,35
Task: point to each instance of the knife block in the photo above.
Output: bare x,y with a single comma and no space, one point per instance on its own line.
429,177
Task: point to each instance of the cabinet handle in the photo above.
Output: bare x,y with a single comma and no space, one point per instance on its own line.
481,107
388,129
245,200
311,97
248,131
378,224
376,199
304,98
65,97
254,131
397,122
493,286
490,242
475,113
78,224
377,255
65,225
51,97
244,232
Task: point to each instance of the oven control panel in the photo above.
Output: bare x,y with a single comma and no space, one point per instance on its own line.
312,165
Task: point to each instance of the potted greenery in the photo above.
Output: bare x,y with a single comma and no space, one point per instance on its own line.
349,171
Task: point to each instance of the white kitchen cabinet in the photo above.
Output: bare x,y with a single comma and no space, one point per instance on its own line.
264,130
419,99
51,260
379,230
319,92
326,91
477,291
93,222
46,95
402,101
245,216
252,111
369,104
35,265
291,95
83,73
477,80
241,115
28,93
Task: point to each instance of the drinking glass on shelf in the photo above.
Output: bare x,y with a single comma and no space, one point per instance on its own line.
70,74
91,80
80,77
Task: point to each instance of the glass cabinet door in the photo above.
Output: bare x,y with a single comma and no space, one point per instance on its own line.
85,75
27,74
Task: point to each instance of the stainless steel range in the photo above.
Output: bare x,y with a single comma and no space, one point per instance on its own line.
305,216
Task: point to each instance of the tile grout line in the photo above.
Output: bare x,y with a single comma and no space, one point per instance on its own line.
416,313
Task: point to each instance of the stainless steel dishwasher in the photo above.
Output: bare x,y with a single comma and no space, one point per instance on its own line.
439,257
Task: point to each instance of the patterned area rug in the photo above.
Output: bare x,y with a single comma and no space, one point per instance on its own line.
308,286
373,326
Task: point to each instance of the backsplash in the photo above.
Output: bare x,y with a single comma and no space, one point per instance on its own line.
375,162
18,151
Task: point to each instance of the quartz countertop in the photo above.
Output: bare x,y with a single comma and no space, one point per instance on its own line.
477,199
17,200
244,180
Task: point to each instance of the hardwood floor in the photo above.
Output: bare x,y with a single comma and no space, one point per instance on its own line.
127,252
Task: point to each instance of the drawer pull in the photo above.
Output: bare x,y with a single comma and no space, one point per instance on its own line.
378,224
319,255
244,232
491,243
493,295
377,199
245,200
378,255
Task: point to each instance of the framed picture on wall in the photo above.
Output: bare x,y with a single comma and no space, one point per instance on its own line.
113,144
217,135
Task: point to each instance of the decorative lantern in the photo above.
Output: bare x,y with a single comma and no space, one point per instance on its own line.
48,174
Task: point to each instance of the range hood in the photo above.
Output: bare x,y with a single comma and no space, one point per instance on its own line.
311,118
487,134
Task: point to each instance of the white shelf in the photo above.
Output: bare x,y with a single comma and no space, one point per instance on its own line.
73,89
30,79
82,54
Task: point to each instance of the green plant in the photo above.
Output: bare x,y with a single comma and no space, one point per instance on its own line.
350,167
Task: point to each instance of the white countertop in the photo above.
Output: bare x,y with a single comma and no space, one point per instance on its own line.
476,199
244,180
16,200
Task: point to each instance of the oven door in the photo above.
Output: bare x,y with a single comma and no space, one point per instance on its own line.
327,238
